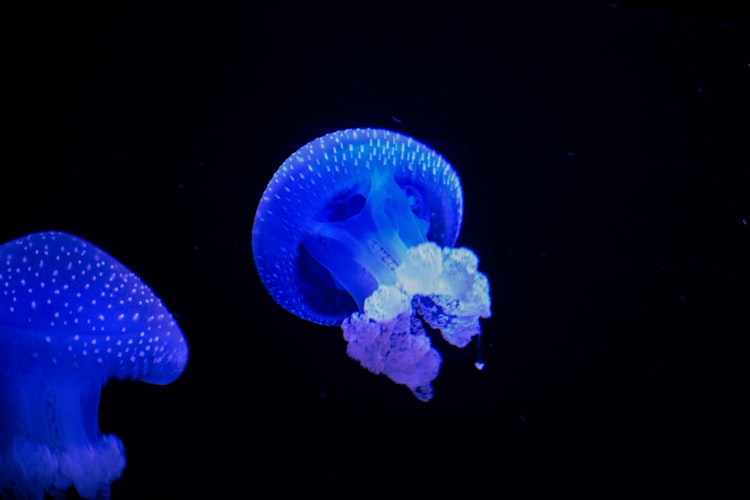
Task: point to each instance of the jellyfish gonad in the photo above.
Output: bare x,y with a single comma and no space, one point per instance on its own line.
71,318
357,229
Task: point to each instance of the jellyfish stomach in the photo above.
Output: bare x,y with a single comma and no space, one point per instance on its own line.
363,252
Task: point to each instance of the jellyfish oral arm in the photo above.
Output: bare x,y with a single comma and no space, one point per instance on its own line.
397,348
439,287
451,295
51,437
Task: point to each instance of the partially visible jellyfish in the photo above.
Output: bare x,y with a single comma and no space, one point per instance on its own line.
357,229
71,318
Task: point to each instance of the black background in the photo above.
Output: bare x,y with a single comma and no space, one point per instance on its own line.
604,154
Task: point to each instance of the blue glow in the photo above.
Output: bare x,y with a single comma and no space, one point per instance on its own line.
71,318
356,229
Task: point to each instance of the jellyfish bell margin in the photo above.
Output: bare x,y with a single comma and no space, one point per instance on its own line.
356,228
71,318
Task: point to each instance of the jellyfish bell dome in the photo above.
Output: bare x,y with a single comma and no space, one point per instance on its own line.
338,215
357,228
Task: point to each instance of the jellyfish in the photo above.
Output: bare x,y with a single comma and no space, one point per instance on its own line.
357,228
71,318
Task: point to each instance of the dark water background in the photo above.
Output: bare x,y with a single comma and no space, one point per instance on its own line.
605,159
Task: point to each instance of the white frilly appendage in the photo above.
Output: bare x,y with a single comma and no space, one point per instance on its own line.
437,286
29,470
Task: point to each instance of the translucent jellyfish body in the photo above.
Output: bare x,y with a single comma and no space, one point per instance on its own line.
71,318
357,229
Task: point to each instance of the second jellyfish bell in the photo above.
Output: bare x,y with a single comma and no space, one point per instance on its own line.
356,229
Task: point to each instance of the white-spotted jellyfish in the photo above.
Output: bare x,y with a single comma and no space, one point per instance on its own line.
71,318
356,229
